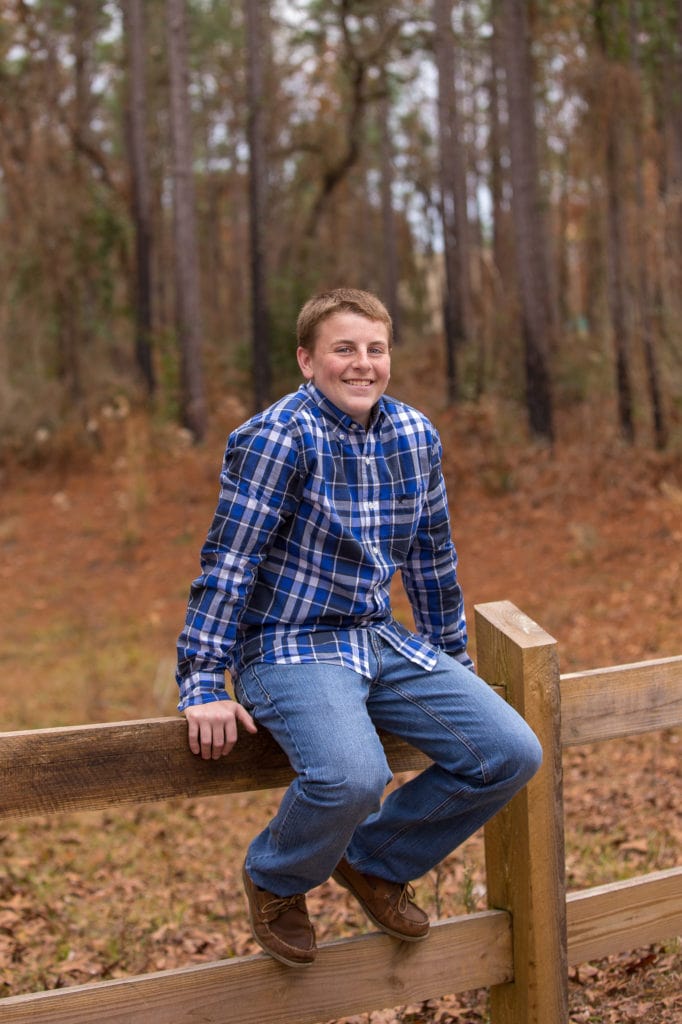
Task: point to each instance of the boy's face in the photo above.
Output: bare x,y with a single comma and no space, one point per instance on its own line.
350,363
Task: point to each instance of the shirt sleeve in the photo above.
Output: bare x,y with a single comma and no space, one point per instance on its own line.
430,572
258,491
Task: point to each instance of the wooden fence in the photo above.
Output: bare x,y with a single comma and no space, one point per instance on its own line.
520,948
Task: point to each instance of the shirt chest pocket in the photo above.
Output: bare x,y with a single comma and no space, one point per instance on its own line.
399,522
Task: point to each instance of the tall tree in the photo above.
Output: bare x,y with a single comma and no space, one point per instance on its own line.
388,225
74,303
260,318
669,103
606,29
363,41
453,195
496,177
529,228
643,248
676,183
185,257
134,20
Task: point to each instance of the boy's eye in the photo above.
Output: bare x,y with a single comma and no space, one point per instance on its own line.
373,350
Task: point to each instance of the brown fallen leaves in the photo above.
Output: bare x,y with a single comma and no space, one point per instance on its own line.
586,540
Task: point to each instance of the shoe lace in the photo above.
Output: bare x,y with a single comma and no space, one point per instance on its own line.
279,905
406,896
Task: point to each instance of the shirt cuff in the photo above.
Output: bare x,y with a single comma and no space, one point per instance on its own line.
202,689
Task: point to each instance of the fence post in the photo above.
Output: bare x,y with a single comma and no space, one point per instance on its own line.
524,844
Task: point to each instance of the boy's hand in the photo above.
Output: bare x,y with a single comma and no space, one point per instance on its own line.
213,727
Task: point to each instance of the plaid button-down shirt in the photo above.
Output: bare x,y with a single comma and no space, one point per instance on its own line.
315,516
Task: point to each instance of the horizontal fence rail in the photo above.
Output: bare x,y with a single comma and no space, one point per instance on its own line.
607,703
473,951
87,767
95,766
624,915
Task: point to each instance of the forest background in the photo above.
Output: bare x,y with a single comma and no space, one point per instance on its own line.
175,179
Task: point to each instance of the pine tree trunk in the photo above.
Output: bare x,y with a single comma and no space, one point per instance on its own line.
260,318
496,177
531,244
615,239
76,301
389,240
453,197
616,285
671,110
133,13
642,250
186,260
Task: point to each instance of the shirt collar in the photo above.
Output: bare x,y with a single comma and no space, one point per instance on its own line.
337,418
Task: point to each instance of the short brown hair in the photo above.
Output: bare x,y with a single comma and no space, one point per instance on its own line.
339,300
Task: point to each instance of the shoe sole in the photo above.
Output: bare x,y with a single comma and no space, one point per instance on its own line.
383,927
279,956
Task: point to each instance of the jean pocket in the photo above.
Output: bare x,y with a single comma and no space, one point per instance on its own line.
250,689
241,692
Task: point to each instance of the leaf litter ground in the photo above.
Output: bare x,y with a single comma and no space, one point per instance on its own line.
97,559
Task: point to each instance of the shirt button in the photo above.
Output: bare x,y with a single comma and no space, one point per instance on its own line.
342,437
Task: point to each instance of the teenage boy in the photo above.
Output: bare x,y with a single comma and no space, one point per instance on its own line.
324,496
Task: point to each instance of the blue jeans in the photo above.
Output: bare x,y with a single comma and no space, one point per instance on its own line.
325,718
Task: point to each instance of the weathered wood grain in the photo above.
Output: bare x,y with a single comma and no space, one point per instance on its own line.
606,703
624,915
93,766
524,843
350,976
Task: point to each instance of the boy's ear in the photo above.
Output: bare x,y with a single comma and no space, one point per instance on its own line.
305,362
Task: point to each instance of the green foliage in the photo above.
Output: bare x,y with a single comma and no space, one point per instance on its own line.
168,370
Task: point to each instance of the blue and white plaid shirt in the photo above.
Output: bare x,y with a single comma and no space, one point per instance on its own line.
315,516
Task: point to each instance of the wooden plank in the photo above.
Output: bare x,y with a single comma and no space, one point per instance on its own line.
609,702
93,766
524,843
623,915
350,976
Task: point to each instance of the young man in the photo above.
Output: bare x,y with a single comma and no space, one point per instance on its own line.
323,497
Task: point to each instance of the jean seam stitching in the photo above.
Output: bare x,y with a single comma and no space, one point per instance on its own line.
483,765
387,843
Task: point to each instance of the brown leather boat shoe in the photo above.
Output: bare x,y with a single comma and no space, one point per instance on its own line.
388,904
280,925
